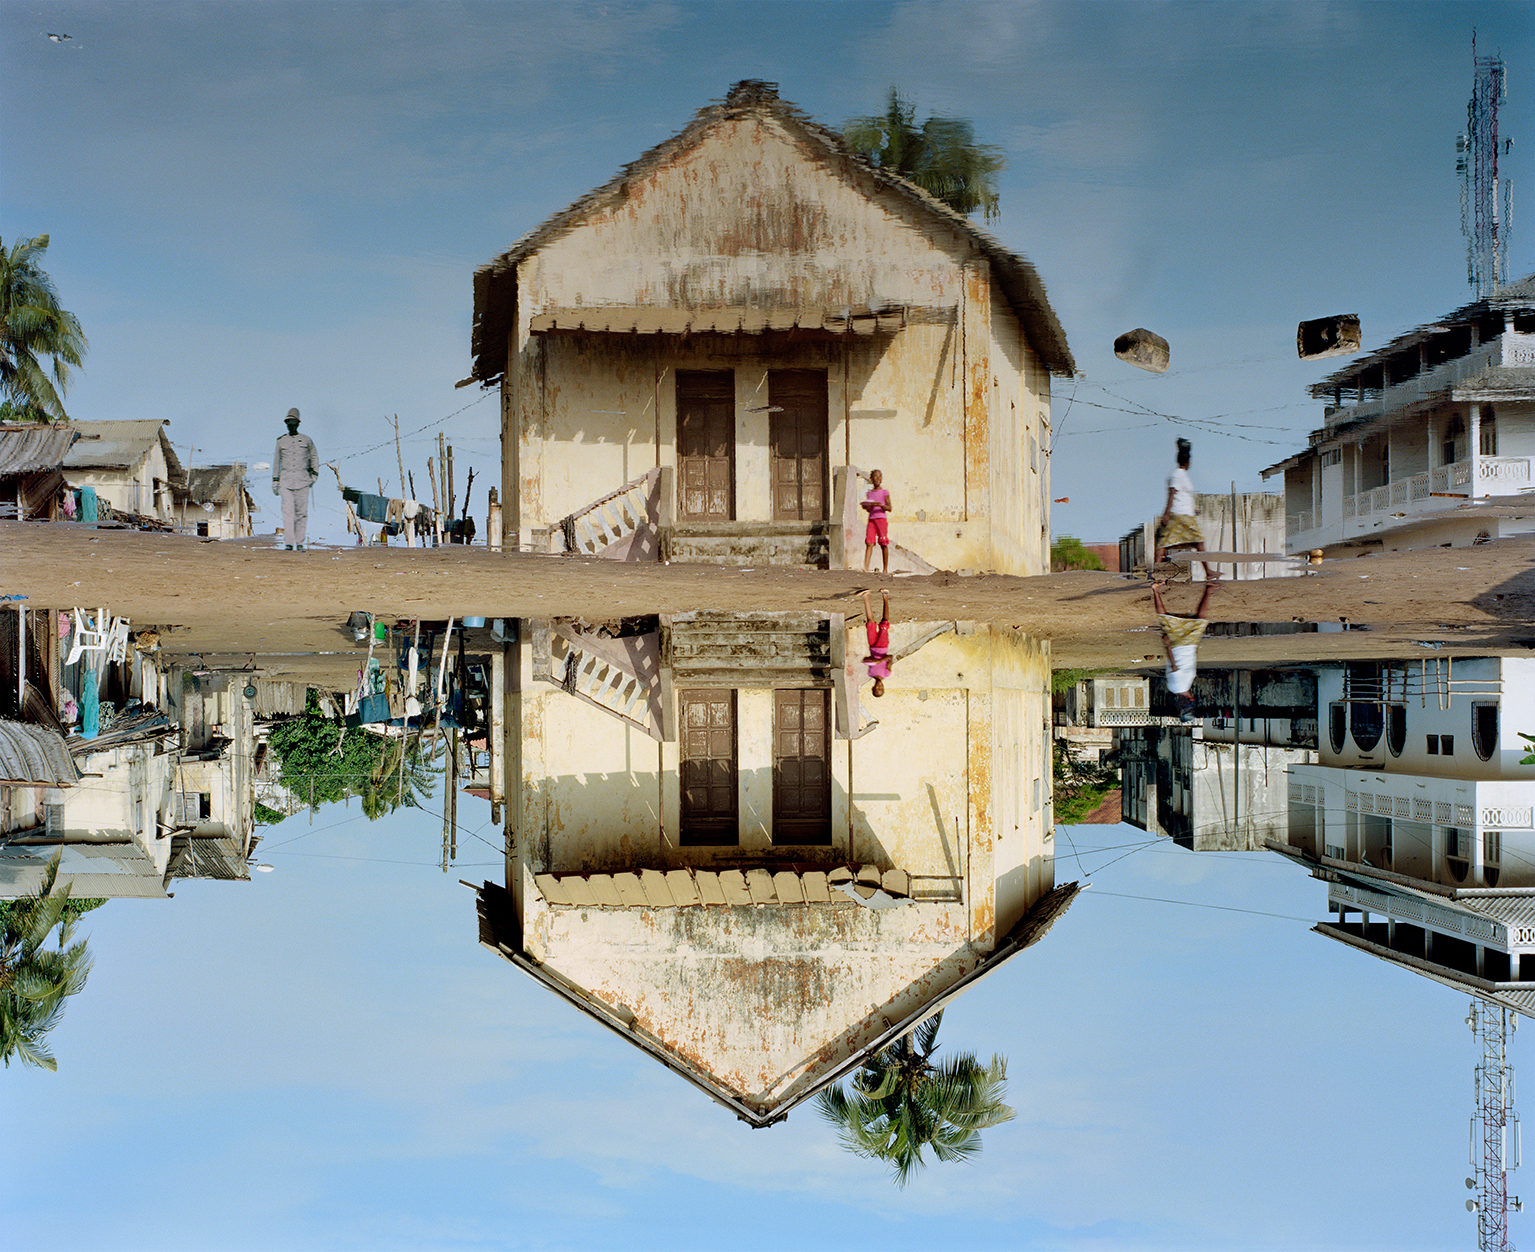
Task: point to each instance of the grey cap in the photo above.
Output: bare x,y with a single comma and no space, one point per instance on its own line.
292,416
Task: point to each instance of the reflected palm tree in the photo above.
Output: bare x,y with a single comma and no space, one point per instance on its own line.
392,787
941,156
900,1102
35,979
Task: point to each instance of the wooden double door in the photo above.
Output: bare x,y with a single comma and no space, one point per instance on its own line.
710,767
706,445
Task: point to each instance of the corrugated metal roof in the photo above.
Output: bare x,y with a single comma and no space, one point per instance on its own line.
32,755
27,448
495,284
213,482
634,320
119,445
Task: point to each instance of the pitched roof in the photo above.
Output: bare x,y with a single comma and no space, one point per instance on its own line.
213,483
35,755
495,283
1519,295
32,446
121,445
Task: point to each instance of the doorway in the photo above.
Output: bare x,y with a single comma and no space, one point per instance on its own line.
706,445
797,434
801,767
710,767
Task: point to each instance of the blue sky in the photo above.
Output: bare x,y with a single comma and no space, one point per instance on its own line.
263,205
260,205
325,1058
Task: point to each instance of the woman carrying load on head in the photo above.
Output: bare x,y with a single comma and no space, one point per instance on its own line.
1178,527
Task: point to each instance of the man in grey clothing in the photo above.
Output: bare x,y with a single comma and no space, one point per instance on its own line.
295,466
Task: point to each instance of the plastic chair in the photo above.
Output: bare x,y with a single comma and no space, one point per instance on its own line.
117,641
86,640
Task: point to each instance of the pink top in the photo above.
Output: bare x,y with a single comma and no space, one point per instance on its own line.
880,499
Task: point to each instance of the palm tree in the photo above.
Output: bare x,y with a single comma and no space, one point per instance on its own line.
941,156
34,979
900,1102
390,788
32,327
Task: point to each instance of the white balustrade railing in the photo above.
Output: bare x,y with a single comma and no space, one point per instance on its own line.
1495,475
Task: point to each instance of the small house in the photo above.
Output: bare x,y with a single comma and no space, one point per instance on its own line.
130,464
702,358
213,502
30,475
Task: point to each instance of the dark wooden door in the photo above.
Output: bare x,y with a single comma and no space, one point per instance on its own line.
710,795
801,767
797,435
706,445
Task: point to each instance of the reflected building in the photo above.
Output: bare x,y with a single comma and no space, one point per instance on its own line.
716,849
157,786
1420,816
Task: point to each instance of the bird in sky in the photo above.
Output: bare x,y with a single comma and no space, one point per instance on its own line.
58,38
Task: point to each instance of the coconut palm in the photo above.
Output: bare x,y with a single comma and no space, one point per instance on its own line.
35,979
900,1102
32,327
389,787
941,156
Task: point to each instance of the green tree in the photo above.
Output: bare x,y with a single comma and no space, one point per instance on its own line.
33,326
35,979
941,156
899,1102
1068,552
1078,786
321,760
391,786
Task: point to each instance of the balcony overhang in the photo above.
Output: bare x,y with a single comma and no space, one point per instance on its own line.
729,320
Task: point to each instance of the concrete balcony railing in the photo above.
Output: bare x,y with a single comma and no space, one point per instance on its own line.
1509,349
1436,491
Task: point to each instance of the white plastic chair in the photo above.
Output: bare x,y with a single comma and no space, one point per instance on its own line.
86,640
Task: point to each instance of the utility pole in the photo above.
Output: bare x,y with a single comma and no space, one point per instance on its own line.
1495,1128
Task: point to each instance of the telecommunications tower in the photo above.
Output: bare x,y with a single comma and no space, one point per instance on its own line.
1486,199
1495,1128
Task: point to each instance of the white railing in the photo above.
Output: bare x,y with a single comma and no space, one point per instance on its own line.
611,687
1495,475
1297,523
611,518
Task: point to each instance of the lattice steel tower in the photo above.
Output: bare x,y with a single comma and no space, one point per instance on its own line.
1495,1128
1486,200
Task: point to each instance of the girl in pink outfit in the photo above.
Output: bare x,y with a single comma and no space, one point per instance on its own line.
876,503
878,633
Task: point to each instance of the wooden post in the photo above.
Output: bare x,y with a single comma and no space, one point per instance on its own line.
399,459
452,495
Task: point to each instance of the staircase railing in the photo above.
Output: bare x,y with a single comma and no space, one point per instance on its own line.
624,524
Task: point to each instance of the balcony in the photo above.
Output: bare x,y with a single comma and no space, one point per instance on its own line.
1438,491
1510,349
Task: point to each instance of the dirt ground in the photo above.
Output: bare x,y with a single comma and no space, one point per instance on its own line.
245,596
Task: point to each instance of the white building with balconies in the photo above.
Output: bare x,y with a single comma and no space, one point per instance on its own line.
1427,441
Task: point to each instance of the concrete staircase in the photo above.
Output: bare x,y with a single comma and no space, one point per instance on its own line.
756,650
622,677
748,543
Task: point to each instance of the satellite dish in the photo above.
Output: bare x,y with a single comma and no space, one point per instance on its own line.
1470,1206
1470,1184
262,465
207,506
264,869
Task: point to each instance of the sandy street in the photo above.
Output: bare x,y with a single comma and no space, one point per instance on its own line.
246,596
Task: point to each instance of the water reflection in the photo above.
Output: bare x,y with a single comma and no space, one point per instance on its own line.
715,851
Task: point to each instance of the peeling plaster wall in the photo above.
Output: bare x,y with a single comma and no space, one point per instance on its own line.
764,999
950,407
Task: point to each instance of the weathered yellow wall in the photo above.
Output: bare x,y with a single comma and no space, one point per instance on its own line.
945,407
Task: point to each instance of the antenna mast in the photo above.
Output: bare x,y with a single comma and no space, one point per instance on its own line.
1495,1143
1486,201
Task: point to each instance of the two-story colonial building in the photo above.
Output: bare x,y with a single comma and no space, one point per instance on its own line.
1427,441
697,359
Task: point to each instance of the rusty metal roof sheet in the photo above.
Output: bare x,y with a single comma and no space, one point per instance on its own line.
121,445
495,284
30,447
635,320
213,483
35,756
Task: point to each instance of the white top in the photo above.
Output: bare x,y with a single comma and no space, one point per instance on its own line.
1180,670
1182,487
